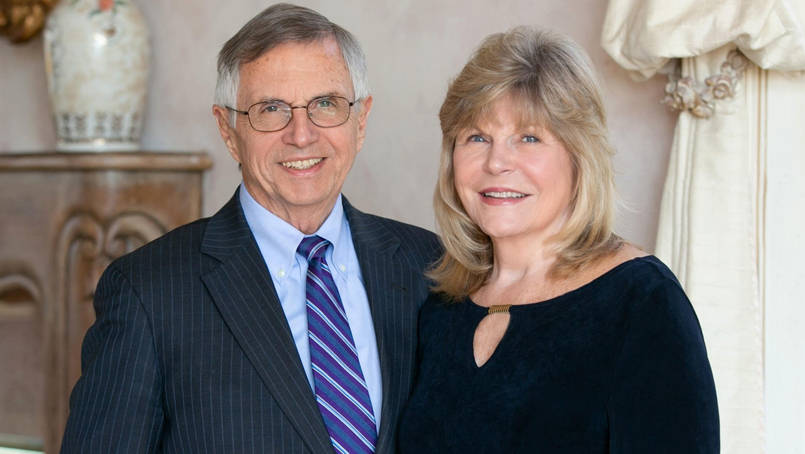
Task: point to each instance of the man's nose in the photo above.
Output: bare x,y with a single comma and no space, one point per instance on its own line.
300,131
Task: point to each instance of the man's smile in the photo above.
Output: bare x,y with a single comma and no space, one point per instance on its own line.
302,165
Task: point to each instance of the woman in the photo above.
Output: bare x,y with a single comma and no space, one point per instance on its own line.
546,332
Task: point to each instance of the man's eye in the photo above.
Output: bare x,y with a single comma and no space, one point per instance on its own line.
324,103
270,108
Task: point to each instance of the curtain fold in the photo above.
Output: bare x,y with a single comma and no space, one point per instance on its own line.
643,35
708,234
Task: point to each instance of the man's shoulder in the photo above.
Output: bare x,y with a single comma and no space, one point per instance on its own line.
182,244
405,232
416,246
367,221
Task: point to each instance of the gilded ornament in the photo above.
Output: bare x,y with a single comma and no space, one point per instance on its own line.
21,20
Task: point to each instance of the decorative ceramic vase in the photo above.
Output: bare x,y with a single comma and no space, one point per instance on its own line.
97,60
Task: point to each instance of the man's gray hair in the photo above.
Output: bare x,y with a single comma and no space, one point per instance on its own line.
281,24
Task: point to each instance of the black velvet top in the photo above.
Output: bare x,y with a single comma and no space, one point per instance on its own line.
616,366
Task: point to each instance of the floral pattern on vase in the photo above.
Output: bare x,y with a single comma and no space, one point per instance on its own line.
97,58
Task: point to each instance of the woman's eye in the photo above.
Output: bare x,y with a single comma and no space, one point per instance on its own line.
475,138
530,139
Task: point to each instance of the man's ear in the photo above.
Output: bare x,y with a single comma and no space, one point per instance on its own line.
363,114
221,115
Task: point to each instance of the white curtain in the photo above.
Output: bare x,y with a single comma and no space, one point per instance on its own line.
715,211
642,35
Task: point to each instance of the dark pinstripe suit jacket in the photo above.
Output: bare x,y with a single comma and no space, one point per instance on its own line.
191,351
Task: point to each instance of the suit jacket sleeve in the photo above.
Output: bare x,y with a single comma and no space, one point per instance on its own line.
116,404
663,399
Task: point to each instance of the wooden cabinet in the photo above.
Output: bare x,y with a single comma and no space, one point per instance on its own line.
63,218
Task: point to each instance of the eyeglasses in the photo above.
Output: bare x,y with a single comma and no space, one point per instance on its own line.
324,112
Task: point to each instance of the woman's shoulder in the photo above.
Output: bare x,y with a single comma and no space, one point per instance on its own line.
648,271
625,256
634,277
648,286
631,265
615,266
644,292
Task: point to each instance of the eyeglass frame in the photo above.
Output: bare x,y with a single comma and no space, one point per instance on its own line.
290,117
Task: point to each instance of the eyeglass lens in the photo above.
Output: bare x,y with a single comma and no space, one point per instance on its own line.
326,112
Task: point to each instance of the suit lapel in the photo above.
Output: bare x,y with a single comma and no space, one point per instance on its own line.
394,313
244,293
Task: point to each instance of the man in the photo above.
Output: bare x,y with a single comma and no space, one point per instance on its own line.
285,323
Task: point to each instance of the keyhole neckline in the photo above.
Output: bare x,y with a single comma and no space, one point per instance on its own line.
498,337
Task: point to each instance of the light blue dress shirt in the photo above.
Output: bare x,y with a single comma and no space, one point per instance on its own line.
278,241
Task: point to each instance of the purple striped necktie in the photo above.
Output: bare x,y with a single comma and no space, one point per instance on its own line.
341,391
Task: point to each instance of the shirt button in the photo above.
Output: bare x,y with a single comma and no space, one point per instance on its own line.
281,272
342,267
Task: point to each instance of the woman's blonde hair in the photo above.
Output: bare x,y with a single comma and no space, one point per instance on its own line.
552,80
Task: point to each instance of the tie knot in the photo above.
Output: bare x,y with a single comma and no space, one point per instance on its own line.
313,247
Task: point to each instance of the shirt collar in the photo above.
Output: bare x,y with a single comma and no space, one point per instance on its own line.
335,229
279,240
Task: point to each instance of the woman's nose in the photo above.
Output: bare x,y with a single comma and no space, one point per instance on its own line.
500,158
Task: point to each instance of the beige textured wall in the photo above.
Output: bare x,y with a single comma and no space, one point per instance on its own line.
412,46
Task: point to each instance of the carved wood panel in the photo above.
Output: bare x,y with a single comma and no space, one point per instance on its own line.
86,246
64,218
20,314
